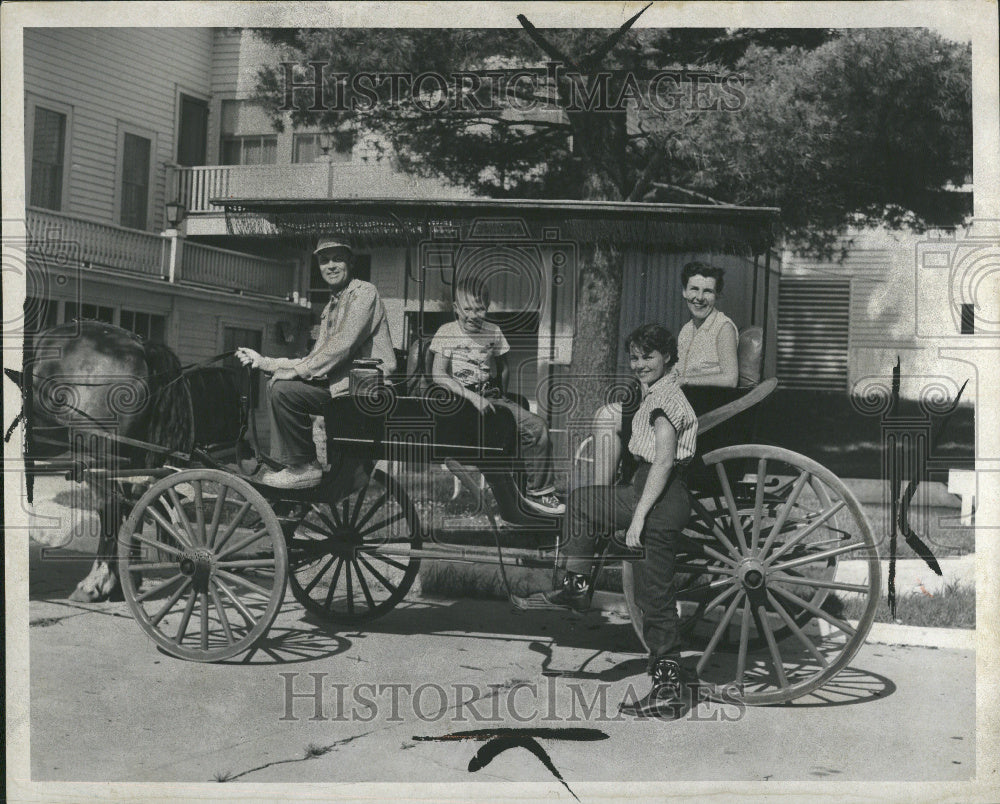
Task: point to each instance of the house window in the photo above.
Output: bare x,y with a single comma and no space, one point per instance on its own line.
247,135
192,134
148,326
968,319
136,152
94,312
306,147
48,154
232,339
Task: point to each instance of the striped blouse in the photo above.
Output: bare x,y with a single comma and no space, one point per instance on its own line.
664,398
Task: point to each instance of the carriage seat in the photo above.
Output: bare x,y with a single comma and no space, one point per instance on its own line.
749,356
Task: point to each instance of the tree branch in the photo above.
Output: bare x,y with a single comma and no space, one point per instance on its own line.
662,186
594,58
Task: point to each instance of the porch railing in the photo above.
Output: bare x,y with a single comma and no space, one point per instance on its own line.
196,186
232,270
71,238
65,241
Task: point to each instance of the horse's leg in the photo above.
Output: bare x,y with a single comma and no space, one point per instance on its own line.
102,581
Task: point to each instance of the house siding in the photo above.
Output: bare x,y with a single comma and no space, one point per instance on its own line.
898,308
94,71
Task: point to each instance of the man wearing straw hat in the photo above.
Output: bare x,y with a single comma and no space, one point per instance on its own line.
353,326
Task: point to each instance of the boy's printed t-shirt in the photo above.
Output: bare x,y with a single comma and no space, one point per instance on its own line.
470,352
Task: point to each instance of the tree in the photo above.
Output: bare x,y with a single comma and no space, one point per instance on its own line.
828,125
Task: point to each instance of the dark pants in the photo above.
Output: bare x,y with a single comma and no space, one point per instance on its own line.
596,512
291,406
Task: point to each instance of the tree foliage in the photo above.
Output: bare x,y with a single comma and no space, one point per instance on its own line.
837,127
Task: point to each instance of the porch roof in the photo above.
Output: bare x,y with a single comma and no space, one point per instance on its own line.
391,221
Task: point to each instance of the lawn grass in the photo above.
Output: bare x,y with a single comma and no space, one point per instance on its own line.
953,606
937,527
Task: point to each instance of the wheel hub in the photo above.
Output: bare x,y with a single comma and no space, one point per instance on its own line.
198,564
751,574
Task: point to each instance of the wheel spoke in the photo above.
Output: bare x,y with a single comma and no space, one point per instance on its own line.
166,548
386,583
199,512
758,505
232,526
181,516
155,619
157,565
719,631
385,522
763,626
260,590
253,537
316,579
734,513
358,503
364,585
786,510
741,658
798,601
333,521
819,583
800,635
706,587
247,563
372,551
204,620
809,558
221,611
350,587
800,535
234,599
371,511
186,617
220,502
713,526
168,527
328,603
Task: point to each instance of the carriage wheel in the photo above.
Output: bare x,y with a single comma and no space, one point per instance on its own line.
348,559
757,575
203,564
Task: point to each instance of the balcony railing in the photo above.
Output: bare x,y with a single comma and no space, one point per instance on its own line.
216,267
195,187
74,239
69,240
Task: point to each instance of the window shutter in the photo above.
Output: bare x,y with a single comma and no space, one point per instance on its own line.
813,319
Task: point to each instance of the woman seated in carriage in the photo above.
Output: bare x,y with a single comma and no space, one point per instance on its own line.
653,508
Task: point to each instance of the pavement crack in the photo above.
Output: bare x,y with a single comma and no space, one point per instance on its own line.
312,752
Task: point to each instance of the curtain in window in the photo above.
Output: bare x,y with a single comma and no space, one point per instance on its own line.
135,181
48,147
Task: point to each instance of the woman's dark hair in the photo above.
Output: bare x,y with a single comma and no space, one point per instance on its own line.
704,269
653,337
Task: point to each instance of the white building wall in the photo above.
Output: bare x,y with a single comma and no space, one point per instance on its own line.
111,78
901,306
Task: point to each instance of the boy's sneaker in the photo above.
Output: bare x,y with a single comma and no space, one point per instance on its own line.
573,593
545,504
294,477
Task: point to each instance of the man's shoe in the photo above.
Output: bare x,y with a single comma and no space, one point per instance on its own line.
545,504
294,477
668,699
574,594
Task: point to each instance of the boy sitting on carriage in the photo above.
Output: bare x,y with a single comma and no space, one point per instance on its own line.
469,358
654,508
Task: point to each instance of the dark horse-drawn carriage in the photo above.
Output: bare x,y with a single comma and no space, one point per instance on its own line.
205,553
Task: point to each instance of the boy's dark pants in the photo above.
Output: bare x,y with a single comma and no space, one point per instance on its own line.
596,512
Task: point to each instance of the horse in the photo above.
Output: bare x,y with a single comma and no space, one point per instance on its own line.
87,378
